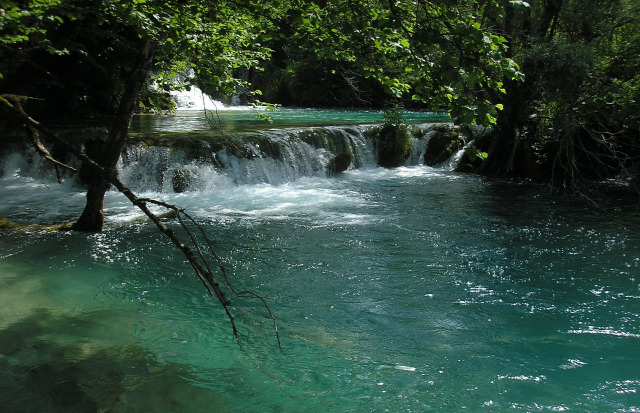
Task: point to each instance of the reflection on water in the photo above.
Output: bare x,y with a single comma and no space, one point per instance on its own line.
412,289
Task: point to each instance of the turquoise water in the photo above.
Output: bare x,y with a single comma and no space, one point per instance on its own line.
246,119
411,289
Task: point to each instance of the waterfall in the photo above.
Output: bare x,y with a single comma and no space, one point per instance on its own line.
274,156
195,99
201,161
19,160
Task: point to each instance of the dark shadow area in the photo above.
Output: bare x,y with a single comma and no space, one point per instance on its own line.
47,365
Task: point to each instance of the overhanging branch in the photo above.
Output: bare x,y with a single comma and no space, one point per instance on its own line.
13,105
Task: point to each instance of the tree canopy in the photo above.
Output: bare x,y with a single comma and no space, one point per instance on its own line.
439,53
85,49
575,117
557,79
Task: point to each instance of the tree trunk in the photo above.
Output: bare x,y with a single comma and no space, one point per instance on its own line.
92,218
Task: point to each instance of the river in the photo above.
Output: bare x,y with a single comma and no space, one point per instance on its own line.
408,289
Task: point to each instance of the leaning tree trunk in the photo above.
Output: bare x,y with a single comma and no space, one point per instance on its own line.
92,218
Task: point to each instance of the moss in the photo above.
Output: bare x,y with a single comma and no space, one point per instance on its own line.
62,227
442,145
7,225
394,145
198,143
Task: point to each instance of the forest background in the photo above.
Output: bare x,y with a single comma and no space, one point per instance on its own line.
557,80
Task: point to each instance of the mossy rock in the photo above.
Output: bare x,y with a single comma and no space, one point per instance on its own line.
195,143
394,145
443,144
465,168
340,163
181,180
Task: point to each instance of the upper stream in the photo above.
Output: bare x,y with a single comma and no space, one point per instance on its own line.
408,289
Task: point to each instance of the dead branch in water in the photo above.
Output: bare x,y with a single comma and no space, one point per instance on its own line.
199,263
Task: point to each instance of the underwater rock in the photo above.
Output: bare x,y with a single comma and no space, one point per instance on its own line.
465,167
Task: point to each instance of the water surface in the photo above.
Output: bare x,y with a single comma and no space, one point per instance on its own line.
411,289
246,119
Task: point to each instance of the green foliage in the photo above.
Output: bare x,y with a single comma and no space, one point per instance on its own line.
28,21
26,24
578,108
440,55
197,42
446,57
152,100
393,116
262,108
473,153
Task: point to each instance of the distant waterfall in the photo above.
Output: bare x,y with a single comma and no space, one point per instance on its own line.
195,99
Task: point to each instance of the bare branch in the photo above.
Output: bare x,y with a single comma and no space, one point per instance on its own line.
14,103
200,265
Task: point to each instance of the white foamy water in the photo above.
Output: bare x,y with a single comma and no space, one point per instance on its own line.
196,99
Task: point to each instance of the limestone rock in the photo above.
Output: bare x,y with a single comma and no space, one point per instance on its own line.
340,163
442,145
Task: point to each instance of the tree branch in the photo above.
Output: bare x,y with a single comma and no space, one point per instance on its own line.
14,103
200,265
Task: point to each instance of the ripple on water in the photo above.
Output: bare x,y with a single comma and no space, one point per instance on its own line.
394,290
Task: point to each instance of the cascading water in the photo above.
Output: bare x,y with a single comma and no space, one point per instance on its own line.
273,156
206,161
195,99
